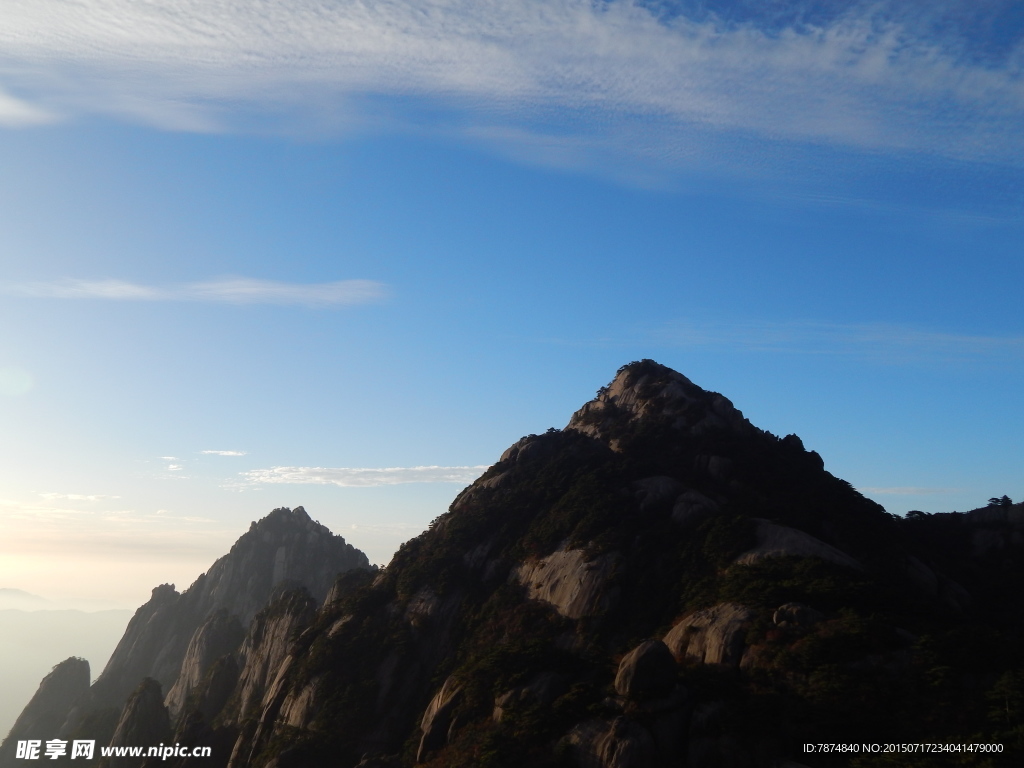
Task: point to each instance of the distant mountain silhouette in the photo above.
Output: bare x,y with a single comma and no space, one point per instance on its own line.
21,600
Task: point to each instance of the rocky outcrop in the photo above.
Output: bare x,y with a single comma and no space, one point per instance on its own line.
566,580
712,635
648,671
652,492
782,541
144,722
437,720
796,616
646,392
618,743
266,646
541,690
692,508
49,707
218,636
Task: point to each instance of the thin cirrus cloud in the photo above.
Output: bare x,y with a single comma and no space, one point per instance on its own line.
224,453
240,290
364,477
16,113
76,496
669,78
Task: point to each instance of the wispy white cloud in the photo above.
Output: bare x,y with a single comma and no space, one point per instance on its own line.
239,290
77,496
350,477
906,491
225,453
867,78
877,341
15,113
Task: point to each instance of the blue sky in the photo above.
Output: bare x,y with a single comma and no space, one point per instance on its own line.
254,255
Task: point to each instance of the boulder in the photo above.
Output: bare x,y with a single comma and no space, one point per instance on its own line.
542,690
651,492
692,508
782,541
619,743
791,615
711,636
647,671
570,583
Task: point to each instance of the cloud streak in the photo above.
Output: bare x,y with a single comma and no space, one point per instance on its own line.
349,477
241,290
77,496
16,113
224,453
620,72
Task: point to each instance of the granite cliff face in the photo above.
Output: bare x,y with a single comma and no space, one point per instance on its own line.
658,584
144,721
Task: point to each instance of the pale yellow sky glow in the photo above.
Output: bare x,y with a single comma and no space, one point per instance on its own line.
106,556
90,550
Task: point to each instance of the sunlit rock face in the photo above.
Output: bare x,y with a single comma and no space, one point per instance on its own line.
218,636
266,646
574,586
712,635
635,395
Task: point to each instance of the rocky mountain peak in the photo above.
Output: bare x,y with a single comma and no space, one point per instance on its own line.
45,713
644,391
298,551
176,639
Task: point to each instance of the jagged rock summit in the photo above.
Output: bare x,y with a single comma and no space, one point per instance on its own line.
645,391
175,639
286,548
